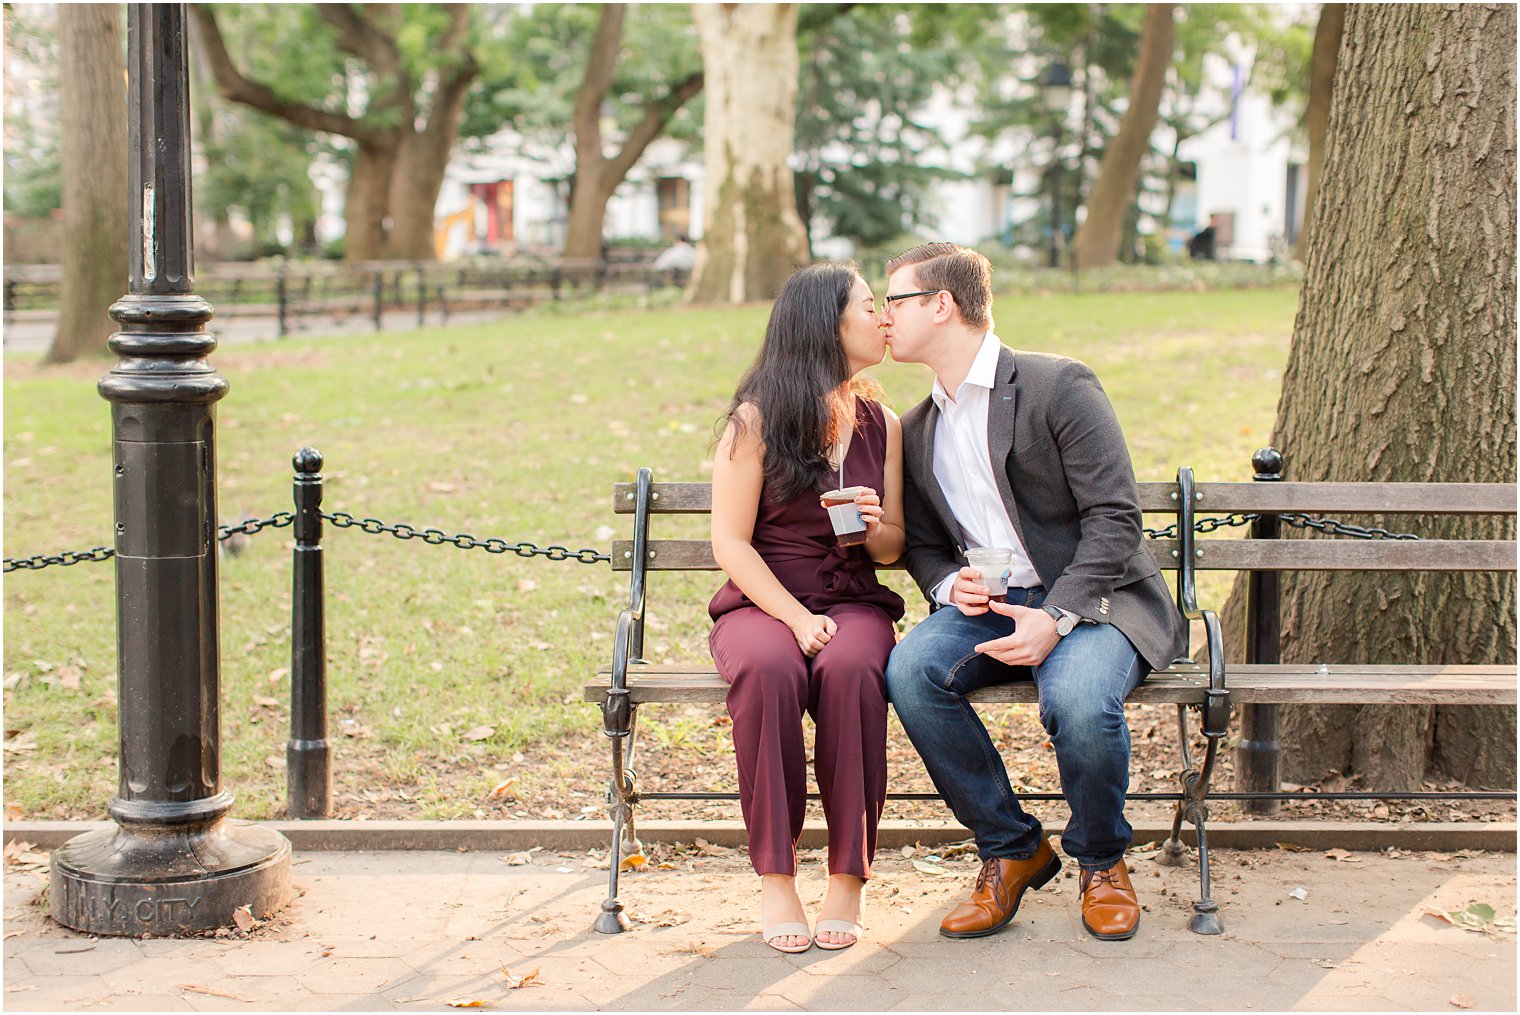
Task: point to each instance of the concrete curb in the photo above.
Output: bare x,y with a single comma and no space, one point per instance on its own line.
1497,836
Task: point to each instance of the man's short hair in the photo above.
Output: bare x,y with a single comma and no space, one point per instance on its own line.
963,272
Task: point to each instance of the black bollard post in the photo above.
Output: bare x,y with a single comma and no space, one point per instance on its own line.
1258,759
421,296
172,863
308,755
379,311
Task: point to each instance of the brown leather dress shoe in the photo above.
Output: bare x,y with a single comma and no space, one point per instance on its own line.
999,888
1110,910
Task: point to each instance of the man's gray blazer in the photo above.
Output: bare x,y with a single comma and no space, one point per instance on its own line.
1061,463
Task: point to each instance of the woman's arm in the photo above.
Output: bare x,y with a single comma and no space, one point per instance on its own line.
738,479
886,539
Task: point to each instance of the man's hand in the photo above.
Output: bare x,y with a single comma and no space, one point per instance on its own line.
1030,642
968,594
813,631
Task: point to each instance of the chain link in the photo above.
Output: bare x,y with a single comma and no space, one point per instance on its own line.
68,558
464,541
1296,519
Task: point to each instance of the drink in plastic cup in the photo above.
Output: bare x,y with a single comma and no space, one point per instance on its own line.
993,562
849,527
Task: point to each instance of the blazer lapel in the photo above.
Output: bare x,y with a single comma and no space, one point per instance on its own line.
1001,405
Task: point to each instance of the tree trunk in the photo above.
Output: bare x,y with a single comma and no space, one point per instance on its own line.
1099,237
365,206
752,237
1327,43
588,208
92,133
420,166
1402,369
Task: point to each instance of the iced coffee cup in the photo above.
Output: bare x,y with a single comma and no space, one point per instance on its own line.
993,562
849,526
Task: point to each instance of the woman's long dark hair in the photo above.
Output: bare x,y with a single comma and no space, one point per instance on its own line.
797,381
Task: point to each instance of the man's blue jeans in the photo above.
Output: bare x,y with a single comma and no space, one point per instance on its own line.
1082,685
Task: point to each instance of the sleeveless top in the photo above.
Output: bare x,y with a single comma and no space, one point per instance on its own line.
796,540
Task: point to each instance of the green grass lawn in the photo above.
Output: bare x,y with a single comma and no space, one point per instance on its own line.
515,429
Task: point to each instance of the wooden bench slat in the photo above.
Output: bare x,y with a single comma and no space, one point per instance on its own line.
1214,498
1257,683
1217,555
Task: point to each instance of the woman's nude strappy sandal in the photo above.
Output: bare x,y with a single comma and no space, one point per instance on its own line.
837,927
769,934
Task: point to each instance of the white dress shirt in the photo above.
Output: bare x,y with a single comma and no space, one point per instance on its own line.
963,467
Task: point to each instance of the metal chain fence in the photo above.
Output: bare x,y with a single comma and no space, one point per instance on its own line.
1331,525
340,520
465,541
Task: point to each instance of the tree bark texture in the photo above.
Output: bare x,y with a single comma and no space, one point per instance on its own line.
398,164
1098,238
1327,44
1402,369
752,236
93,144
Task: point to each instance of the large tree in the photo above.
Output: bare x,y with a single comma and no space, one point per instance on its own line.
598,175
1327,44
752,237
1402,368
93,140
1098,238
410,68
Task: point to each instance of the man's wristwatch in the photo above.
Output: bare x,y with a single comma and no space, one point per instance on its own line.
1065,622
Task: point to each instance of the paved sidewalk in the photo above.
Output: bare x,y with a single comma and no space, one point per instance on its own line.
411,931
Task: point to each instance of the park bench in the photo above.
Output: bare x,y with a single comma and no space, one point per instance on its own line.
1204,687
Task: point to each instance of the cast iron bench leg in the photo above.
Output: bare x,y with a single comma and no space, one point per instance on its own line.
621,798
1194,806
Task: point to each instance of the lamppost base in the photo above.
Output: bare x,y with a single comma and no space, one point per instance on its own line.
156,880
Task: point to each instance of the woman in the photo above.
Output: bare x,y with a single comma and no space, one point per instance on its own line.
802,624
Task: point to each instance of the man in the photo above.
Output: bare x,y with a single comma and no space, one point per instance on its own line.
1020,451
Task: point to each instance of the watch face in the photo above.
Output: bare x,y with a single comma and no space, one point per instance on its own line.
1065,625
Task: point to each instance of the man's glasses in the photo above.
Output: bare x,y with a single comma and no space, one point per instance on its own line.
889,300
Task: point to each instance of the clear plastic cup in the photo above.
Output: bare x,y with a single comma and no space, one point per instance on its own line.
993,562
849,527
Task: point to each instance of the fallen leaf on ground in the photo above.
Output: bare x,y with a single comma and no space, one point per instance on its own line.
203,989
480,733
1344,855
927,868
705,848
505,789
907,851
1293,847
13,812
1479,918
526,585
633,861
243,917
1461,1001
466,1002
526,979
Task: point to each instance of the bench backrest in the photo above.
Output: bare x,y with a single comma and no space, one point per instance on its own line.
1209,499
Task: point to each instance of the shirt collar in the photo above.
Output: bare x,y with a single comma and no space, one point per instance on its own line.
983,372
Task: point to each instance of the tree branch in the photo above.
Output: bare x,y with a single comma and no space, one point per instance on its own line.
600,64
235,87
657,113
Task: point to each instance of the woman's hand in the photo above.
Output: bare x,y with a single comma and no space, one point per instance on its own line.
812,631
968,594
869,505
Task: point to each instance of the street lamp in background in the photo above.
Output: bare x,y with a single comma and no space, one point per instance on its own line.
1056,90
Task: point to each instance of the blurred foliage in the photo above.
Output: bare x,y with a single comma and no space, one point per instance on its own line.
33,167
866,76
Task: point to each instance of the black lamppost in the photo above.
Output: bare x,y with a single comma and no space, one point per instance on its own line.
173,863
1057,93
